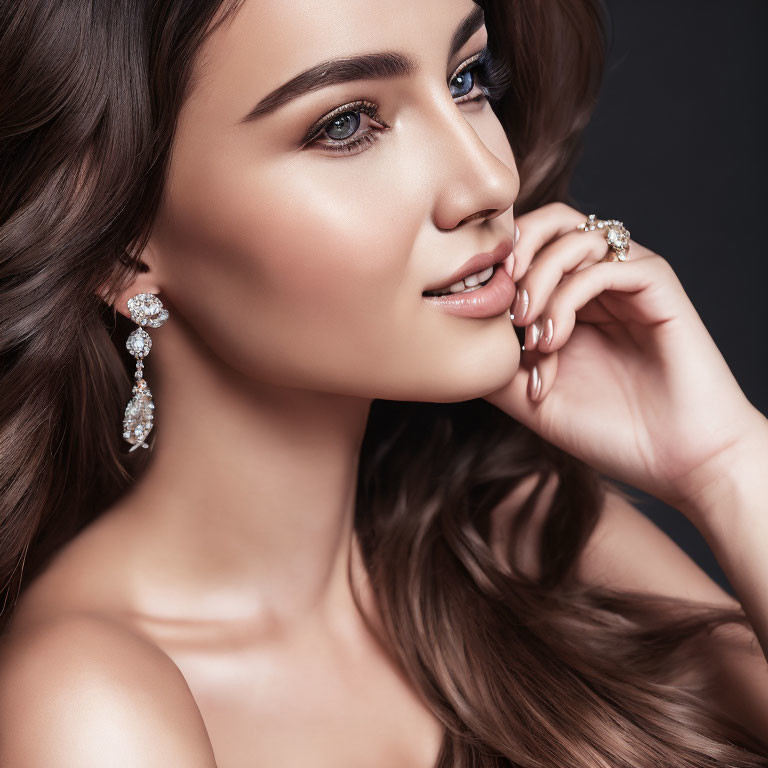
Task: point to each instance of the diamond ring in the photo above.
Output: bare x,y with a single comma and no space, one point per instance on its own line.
616,235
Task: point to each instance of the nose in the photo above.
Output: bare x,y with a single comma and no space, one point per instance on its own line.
475,172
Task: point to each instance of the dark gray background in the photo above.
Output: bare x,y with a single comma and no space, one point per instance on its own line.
677,151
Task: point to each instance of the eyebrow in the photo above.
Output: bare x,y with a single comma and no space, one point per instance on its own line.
367,66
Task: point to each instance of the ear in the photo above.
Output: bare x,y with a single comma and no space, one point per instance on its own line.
145,281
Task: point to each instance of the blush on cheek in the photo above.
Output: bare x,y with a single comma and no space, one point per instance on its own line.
318,247
277,248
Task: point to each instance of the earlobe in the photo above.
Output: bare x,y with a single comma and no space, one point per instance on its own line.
144,281
140,285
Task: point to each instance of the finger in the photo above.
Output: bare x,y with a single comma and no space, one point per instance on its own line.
566,254
539,227
559,316
521,398
543,374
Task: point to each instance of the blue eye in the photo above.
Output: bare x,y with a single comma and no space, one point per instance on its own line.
482,72
492,77
466,80
346,124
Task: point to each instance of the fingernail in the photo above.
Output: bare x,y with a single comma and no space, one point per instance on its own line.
535,383
517,233
521,304
536,332
549,330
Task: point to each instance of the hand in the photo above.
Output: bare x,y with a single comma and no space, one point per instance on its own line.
631,382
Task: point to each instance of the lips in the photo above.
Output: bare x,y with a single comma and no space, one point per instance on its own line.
477,263
489,301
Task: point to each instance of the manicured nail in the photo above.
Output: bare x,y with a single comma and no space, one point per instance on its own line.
521,304
535,383
549,330
517,233
536,332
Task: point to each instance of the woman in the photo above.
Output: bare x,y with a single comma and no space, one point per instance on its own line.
369,529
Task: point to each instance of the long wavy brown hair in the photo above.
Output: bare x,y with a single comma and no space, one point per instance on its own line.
542,672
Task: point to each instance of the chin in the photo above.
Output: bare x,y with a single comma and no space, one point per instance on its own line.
484,369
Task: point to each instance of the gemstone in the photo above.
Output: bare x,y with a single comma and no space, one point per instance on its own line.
147,309
617,237
138,343
138,417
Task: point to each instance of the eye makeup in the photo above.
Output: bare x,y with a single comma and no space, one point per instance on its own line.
496,75
482,71
354,107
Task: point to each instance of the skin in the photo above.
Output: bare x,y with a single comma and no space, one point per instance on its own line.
293,278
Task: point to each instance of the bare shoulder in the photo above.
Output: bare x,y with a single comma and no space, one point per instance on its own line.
82,690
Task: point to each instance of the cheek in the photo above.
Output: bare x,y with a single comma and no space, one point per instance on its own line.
330,235
308,261
335,246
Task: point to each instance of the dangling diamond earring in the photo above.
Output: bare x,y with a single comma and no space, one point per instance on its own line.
146,309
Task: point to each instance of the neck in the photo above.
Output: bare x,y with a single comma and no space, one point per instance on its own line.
248,498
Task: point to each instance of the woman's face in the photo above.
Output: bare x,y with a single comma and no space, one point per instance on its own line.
304,266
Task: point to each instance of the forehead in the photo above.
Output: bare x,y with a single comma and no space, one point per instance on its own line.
268,41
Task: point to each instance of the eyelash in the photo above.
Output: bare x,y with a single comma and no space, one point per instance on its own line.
495,81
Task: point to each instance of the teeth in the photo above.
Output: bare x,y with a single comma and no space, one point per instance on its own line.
470,281
478,277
